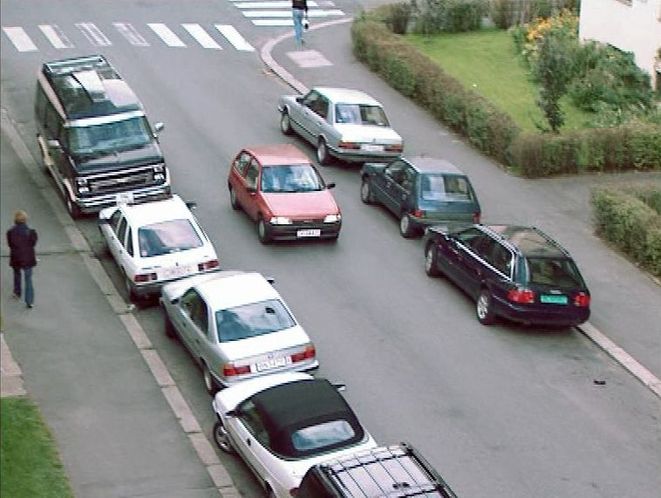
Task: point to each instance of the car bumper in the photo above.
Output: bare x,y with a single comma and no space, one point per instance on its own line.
154,288
304,367
96,204
428,222
293,231
560,317
357,156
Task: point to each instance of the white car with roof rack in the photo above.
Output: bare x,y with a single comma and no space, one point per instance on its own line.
236,326
157,242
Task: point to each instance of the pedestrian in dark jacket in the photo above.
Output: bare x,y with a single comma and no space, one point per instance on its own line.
21,240
299,11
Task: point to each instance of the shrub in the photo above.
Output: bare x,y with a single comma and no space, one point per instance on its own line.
502,13
397,17
434,16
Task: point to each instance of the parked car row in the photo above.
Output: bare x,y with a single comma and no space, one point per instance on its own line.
296,432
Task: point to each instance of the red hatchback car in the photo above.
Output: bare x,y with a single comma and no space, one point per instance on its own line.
278,187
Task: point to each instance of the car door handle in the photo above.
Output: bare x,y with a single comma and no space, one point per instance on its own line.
248,442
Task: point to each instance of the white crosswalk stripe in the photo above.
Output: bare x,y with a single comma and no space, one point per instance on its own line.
273,4
234,37
131,34
202,37
166,34
19,39
55,36
93,34
278,12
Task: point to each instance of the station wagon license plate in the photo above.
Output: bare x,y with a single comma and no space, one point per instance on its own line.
372,148
270,364
551,299
311,232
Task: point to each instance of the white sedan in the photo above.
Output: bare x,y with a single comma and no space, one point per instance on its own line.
236,326
282,424
156,242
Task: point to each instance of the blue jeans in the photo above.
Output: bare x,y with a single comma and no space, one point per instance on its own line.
29,289
298,25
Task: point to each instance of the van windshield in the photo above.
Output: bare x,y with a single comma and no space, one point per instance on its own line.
109,137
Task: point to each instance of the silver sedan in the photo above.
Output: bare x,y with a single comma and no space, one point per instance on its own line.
236,326
341,123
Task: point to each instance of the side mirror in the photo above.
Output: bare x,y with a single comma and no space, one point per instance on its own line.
158,127
54,144
330,185
191,205
270,280
299,99
251,190
233,413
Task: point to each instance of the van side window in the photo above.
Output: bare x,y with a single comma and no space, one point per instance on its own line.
51,122
40,104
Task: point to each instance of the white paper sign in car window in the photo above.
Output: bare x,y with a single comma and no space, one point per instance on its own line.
20,39
202,37
234,37
55,36
166,34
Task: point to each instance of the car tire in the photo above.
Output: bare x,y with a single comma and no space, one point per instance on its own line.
73,208
366,192
270,493
323,156
484,308
132,296
209,382
263,232
222,438
233,200
431,261
406,227
285,123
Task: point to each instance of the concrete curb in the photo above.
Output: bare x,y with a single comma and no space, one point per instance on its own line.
11,377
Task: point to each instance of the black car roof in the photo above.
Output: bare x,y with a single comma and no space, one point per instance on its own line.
425,164
289,407
529,241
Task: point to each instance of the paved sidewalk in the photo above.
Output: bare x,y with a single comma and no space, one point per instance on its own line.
121,425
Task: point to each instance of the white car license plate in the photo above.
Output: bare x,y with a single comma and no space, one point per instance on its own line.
124,198
311,232
270,364
372,148
176,271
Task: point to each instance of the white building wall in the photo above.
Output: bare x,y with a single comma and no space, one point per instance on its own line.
632,26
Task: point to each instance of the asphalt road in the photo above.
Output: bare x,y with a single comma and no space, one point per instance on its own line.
501,411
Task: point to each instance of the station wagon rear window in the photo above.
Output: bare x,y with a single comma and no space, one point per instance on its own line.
446,188
167,237
360,114
554,272
252,320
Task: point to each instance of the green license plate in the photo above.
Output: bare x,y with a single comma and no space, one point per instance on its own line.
552,299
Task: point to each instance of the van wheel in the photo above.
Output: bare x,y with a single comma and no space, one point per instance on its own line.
285,123
484,308
73,209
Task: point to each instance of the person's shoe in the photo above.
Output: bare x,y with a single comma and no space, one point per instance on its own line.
29,306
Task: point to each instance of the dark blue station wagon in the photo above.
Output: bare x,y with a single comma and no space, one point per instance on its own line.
518,273
420,191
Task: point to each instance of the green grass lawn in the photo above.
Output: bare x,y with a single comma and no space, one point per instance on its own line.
486,61
29,462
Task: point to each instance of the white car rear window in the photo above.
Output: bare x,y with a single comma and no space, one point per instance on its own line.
167,237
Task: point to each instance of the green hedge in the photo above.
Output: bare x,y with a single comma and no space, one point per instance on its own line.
419,78
630,223
628,147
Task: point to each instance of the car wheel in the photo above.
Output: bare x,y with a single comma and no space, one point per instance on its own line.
285,123
209,382
222,438
323,156
129,289
73,209
263,232
366,192
431,261
270,493
233,200
484,308
406,227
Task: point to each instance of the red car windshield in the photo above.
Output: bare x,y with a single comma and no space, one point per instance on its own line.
290,178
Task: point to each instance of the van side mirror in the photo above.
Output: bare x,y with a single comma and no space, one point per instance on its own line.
54,144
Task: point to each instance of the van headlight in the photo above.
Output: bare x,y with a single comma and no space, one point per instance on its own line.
82,186
332,218
280,220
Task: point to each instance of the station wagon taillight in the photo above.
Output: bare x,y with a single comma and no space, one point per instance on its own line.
348,145
521,296
230,370
582,300
208,265
307,354
418,213
141,278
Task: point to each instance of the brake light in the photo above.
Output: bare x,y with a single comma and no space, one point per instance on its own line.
307,354
395,148
348,145
230,370
141,278
476,217
521,296
208,265
582,300
418,213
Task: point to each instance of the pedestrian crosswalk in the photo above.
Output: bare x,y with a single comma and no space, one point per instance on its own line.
278,12
27,39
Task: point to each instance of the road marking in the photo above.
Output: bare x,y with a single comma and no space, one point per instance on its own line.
309,58
275,4
166,34
287,13
93,34
19,38
131,34
202,37
234,37
55,36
